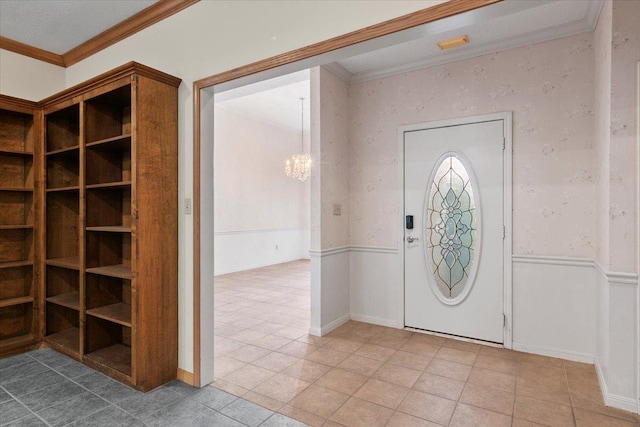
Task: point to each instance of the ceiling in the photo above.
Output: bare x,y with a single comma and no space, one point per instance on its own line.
276,101
60,25
505,25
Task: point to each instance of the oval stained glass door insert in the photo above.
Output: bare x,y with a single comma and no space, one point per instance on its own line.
451,233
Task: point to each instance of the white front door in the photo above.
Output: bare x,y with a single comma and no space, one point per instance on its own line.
453,200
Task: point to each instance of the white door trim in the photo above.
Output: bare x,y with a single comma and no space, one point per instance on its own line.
506,117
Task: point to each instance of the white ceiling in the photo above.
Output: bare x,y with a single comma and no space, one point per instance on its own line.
505,25
501,26
60,25
275,101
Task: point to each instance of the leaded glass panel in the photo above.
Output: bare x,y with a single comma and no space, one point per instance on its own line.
450,221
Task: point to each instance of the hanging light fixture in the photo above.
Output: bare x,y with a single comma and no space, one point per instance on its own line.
299,165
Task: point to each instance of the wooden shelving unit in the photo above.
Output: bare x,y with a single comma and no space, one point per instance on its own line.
88,224
19,185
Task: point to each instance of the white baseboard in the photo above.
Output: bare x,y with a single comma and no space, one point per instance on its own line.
614,400
391,323
561,354
320,332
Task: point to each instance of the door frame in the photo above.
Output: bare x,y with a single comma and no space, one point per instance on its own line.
507,173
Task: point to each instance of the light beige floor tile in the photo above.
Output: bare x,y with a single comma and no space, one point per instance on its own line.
382,393
234,389
224,365
517,422
344,345
298,349
423,348
291,333
469,416
397,375
319,401
493,379
448,369
398,419
462,345
541,360
499,364
360,365
281,387
264,401
375,352
488,398
343,381
302,416
306,370
428,407
410,360
272,342
249,376
389,341
267,327
326,356
546,413
277,362
457,356
586,418
499,352
428,338
440,386
360,413
248,353
248,336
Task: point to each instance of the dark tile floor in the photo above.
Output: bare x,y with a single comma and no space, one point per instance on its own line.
46,388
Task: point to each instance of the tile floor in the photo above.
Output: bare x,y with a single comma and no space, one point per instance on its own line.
46,388
368,375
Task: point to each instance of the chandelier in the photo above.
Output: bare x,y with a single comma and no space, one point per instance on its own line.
299,165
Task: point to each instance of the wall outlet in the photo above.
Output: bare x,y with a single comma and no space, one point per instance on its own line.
337,209
276,247
187,206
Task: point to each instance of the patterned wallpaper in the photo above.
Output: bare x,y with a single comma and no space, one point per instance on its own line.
625,54
549,88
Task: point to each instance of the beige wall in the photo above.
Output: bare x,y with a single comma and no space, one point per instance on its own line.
28,78
549,88
252,191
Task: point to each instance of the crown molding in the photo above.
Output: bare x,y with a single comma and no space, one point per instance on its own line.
138,22
16,104
31,51
339,71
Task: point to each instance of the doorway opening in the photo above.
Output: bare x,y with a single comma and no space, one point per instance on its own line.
261,224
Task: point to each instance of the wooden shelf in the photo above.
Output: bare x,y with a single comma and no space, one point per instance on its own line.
118,142
111,185
67,339
15,301
118,313
70,300
73,188
14,264
4,151
116,357
64,151
15,227
120,271
72,263
112,229
16,342
16,189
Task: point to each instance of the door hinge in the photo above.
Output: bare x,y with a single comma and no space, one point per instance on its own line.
504,143
504,320
504,232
